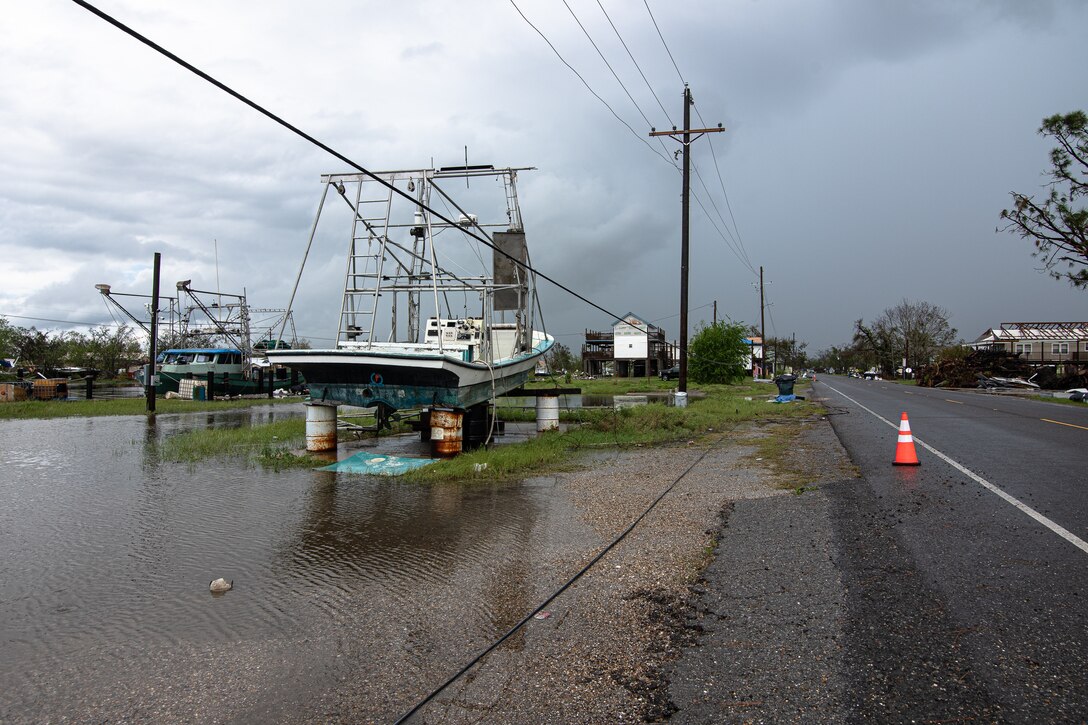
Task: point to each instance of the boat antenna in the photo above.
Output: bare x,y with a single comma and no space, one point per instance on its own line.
218,289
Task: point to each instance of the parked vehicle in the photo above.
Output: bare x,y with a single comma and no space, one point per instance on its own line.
672,373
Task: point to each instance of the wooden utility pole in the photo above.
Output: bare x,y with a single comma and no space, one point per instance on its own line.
762,328
685,138
149,377
715,313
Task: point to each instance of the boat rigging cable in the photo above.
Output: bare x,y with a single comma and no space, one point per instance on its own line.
336,154
513,630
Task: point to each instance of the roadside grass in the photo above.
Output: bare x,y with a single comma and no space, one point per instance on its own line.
774,448
605,386
705,419
1059,401
127,406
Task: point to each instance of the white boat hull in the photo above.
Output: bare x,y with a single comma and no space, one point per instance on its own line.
402,376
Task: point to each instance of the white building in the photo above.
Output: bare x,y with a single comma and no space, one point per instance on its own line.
639,348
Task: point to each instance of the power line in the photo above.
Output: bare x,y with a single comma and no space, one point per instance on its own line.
735,246
592,562
584,82
336,154
714,157
654,20
611,69
743,253
61,322
737,250
607,64
635,62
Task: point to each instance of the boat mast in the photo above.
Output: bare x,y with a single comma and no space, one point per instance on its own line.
434,262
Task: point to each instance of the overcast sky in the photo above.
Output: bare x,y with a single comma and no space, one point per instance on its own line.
870,147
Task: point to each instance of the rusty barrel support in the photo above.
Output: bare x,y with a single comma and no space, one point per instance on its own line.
320,427
547,413
446,431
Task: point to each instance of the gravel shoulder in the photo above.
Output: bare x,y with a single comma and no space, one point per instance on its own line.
721,605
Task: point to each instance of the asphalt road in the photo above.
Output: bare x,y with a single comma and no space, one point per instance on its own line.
965,577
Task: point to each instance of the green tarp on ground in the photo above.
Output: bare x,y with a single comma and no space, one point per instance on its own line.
374,464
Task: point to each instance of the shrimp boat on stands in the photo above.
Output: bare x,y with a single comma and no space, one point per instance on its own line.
209,337
431,317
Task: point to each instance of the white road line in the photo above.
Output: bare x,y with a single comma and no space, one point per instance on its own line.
1057,529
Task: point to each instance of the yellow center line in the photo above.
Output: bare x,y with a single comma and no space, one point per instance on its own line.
957,402
1058,422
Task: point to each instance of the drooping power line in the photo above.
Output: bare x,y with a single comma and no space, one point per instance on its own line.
336,154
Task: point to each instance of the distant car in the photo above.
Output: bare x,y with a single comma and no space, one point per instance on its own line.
672,373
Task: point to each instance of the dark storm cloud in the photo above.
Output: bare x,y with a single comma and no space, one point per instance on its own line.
869,148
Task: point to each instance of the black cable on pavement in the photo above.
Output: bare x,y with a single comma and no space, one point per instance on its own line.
434,693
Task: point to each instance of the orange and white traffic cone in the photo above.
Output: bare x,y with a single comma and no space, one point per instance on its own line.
905,454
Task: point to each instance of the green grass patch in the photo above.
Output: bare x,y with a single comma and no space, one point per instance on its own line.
1059,401
704,419
125,406
270,443
775,449
606,386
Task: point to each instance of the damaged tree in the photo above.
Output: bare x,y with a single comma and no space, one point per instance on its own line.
1058,224
910,333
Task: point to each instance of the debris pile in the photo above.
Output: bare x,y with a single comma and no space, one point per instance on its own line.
999,369
1070,377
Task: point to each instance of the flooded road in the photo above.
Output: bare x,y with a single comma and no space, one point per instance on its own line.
105,612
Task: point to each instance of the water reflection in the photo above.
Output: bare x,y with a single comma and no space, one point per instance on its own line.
403,536
109,551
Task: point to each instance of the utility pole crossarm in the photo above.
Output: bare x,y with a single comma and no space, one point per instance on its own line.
675,131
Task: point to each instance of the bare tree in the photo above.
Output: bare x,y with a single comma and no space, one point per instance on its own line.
913,332
1058,225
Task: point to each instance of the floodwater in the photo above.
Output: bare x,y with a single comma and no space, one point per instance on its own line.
107,552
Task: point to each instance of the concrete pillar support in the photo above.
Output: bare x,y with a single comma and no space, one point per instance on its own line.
547,413
320,427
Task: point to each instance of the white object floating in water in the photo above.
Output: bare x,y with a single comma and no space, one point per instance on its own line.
221,585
